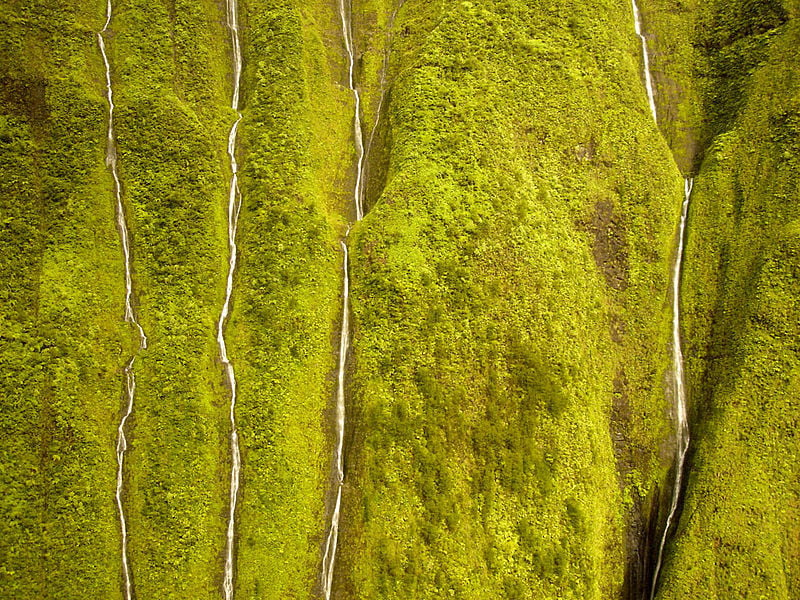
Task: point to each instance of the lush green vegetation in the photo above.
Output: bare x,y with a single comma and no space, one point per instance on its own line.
297,154
739,531
670,29
170,81
514,267
509,430
62,340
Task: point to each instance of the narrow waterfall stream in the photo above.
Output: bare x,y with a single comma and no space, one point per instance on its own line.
344,343
130,314
648,79
347,34
682,424
234,206
331,542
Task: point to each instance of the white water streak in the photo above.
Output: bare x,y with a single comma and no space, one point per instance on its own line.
234,207
682,424
648,80
331,542
344,343
347,33
130,315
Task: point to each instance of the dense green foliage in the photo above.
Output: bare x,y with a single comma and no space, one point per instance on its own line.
169,75
287,305
508,389
739,534
62,342
669,27
514,267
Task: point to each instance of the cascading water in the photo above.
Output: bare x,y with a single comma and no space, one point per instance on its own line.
682,424
234,206
648,80
329,556
347,34
130,314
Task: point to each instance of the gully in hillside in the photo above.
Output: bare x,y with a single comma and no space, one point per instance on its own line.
329,557
682,424
331,541
130,314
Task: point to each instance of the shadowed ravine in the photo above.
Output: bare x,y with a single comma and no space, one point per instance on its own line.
234,205
130,314
381,100
681,422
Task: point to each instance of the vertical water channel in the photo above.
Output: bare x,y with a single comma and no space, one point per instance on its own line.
345,13
234,206
648,79
332,539
681,421
130,314
329,556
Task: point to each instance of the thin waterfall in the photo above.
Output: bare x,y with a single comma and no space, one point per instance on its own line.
130,314
648,80
347,34
234,206
682,424
331,542
344,343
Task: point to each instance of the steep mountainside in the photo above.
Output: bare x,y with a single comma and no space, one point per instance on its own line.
295,186
170,87
61,305
739,535
509,391
511,312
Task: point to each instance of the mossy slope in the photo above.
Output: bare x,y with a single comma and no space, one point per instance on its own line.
513,268
296,157
739,531
169,74
63,343
63,293
508,418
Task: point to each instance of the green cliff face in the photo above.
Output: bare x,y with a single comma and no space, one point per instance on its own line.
510,425
286,302
170,87
739,534
62,340
510,296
